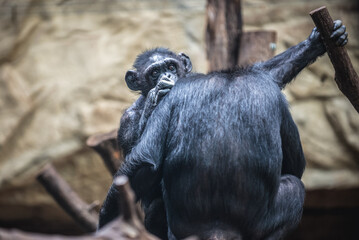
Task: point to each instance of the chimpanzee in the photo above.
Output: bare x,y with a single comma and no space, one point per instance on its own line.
223,152
156,71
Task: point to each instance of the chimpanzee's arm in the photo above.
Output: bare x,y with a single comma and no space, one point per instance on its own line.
127,138
134,120
293,156
128,133
285,66
154,96
142,166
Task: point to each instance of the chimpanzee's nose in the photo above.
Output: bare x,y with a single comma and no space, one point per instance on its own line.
169,75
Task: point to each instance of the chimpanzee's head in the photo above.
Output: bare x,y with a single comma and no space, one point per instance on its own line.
153,65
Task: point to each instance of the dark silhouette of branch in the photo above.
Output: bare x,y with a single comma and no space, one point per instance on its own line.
126,227
58,188
345,76
105,144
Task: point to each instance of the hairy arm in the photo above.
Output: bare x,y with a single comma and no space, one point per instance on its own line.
128,133
142,165
285,66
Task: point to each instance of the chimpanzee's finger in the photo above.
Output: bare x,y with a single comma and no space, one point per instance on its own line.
341,40
344,43
338,32
161,94
337,24
153,96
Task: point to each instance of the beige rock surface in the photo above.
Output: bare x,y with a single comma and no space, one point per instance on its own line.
61,79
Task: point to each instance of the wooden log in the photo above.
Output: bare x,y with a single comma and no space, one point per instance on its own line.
105,144
122,228
224,29
256,46
345,75
58,188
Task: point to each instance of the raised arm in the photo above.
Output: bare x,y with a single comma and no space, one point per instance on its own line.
285,66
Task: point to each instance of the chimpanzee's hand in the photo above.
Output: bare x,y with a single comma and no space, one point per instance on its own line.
161,89
339,35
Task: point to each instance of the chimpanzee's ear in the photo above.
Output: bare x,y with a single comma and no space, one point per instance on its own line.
132,80
186,61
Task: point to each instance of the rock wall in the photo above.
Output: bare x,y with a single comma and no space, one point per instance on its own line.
62,65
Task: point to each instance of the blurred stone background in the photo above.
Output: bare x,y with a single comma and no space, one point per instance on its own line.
62,66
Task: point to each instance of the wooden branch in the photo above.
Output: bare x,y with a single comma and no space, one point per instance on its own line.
118,229
345,75
124,227
68,199
105,144
256,46
223,35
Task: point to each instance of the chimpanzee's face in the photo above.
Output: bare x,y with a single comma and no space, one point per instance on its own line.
154,65
162,67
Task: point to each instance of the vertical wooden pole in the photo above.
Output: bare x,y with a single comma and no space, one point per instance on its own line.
63,194
224,30
105,144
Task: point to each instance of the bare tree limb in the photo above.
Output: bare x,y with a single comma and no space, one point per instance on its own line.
105,144
345,76
124,227
116,230
63,194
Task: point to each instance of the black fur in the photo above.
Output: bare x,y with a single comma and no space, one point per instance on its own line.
134,120
223,152
218,143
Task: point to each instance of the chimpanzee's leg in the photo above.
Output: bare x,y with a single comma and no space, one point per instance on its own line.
286,212
155,218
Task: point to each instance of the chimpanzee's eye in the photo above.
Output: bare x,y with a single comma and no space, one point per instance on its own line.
155,73
172,68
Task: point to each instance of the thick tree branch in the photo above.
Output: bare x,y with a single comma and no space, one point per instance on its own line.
126,227
63,194
345,76
105,144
